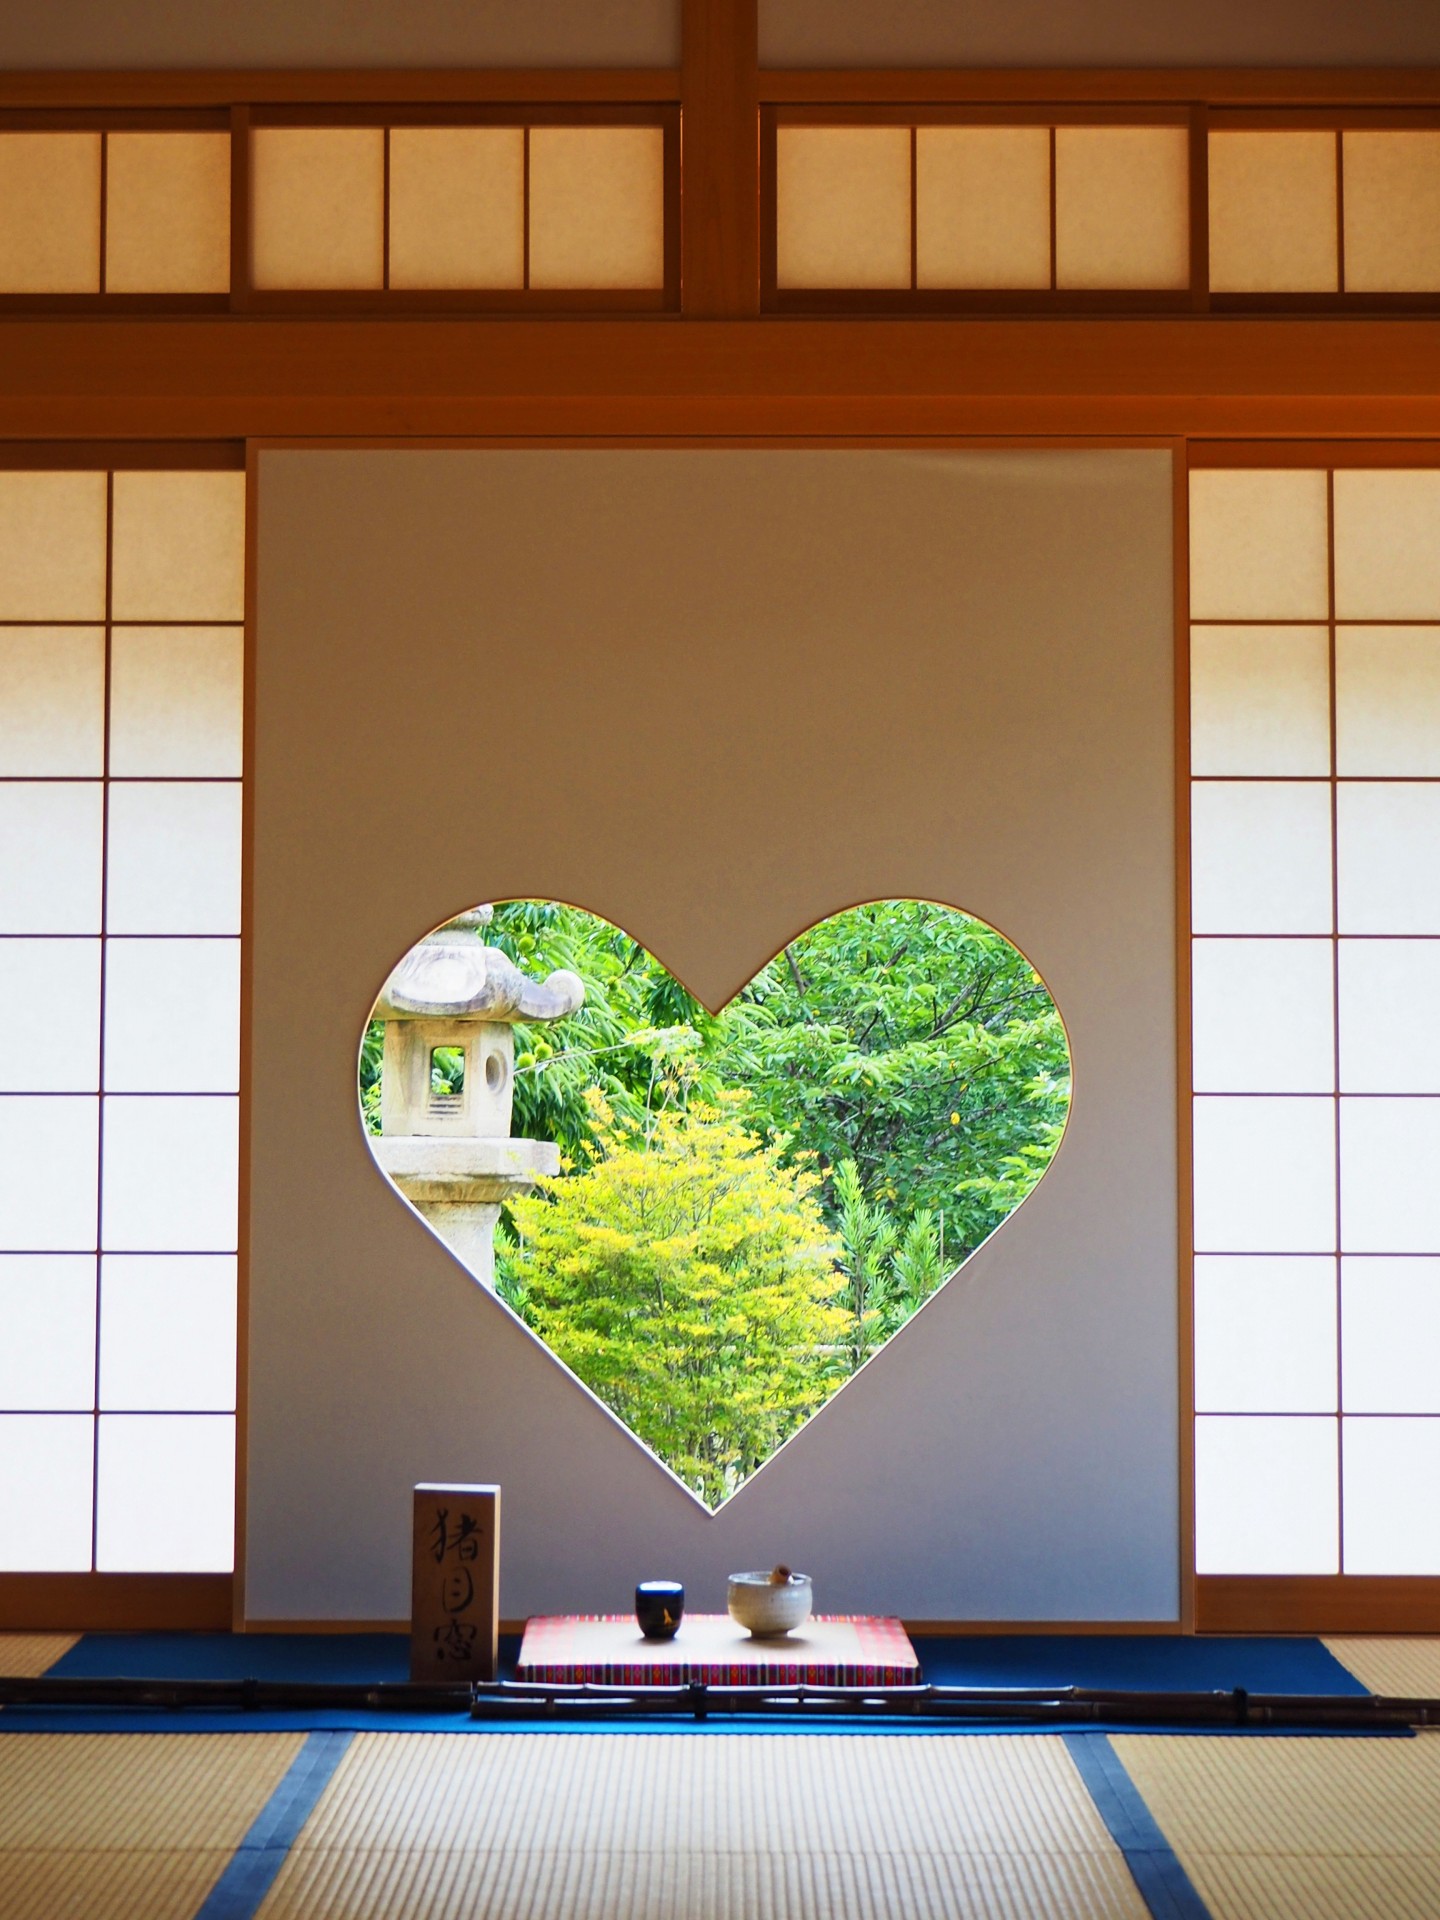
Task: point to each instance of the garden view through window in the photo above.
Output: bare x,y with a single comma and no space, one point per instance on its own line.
740,1207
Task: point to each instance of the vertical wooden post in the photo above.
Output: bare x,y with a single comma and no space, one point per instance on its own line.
1200,208
240,209
720,173
455,1584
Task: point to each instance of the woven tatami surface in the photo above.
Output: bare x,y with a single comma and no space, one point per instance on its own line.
26,1655
1298,1829
654,1827
1405,1669
127,1826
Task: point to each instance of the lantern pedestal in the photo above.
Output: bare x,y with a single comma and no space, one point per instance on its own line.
459,1186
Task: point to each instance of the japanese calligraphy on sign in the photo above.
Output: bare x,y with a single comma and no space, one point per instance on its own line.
454,1613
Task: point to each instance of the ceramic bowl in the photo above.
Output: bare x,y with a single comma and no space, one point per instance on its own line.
769,1610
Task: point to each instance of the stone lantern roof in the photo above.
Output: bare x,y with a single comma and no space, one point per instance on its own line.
452,975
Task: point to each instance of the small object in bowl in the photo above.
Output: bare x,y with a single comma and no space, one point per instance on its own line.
767,1605
659,1607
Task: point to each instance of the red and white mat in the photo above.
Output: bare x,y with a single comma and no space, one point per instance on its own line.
830,1650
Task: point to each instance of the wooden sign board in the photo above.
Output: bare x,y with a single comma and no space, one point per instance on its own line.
455,1586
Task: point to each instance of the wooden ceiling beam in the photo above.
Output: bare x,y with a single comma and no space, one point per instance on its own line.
716,34
229,377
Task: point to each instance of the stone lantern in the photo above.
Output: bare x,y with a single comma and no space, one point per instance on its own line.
450,1153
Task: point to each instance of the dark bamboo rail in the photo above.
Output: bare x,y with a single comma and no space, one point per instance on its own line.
511,1701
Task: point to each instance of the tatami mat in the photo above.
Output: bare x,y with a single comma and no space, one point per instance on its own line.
129,1790
45,1884
625,1886
122,1825
1297,1829
1405,1669
27,1655
647,1827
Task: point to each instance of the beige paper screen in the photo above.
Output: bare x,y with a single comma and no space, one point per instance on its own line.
53,681
179,546
50,857
1273,216
318,197
1387,701
1122,207
457,207
1260,700
119,836
49,212
1386,834
52,546
1265,1333
175,702
48,1491
597,207
843,207
1260,857
167,212
1383,1048
172,857
1259,546
1387,545
1316,1064
1262,1016
1264,1175
56,980
197,1045
1392,211
982,206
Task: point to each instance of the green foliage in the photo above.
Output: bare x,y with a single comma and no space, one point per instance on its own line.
917,1269
920,1044
890,1268
640,1038
867,1234
686,1275
447,1070
372,1048
904,1036
755,1201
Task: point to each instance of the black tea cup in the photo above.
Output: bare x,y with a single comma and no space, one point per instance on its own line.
659,1605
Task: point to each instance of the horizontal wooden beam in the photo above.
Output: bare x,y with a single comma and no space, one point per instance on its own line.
1220,86
117,1602
1316,1603
247,377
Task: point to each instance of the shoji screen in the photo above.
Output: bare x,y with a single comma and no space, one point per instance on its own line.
121,602
1315,650
958,210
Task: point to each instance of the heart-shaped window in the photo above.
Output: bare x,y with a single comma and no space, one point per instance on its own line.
715,1218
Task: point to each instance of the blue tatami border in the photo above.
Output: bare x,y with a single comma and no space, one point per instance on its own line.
251,1872
1165,1887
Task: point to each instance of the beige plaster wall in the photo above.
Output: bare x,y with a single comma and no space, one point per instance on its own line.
224,34
1098,33
715,695
115,34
